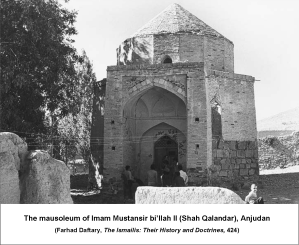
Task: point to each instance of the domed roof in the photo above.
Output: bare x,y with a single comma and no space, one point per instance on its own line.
175,19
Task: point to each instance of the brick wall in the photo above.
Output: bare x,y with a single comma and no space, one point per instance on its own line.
185,80
217,53
235,94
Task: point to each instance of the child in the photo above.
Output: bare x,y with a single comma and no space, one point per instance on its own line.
251,198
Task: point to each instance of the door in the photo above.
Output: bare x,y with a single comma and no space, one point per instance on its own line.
166,149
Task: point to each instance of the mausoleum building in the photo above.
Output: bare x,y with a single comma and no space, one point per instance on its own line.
174,95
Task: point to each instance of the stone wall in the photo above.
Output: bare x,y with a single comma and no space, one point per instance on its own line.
168,44
235,94
234,159
279,151
216,52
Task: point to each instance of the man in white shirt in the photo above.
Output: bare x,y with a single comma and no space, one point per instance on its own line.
183,174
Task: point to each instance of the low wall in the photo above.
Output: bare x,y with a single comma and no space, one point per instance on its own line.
279,151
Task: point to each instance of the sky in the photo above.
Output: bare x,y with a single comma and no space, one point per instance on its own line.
265,34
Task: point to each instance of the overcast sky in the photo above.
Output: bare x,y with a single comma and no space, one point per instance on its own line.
265,34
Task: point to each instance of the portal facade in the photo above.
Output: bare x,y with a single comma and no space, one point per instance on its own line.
174,95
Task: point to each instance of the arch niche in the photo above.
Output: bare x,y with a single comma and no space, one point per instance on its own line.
147,117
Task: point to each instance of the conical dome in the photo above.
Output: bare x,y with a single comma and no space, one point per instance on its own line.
173,36
176,19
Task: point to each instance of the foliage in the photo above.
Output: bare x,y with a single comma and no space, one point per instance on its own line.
37,63
46,86
75,128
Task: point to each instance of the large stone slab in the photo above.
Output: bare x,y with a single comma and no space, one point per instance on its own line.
12,153
186,195
45,180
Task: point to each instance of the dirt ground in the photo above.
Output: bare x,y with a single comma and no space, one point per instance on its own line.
279,186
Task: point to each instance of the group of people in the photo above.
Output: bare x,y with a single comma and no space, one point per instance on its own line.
168,179
171,176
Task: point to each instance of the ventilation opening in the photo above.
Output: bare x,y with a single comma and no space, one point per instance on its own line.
167,60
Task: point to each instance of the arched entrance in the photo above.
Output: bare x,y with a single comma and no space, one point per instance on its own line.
165,152
154,127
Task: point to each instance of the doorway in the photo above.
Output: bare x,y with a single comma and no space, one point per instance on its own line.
166,149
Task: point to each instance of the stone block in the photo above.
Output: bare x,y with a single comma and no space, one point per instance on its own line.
186,195
45,180
13,151
220,153
223,161
253,165
249,153
255,154
193,74
241,153
247,166
248,160
244,161
251,172
223,173
242,145
252,145
226,145
220,144
232,154
242,165
232,145
226,153
239,161
243,172
217,161
225,166
236,166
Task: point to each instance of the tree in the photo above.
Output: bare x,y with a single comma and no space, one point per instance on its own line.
38,64
74,128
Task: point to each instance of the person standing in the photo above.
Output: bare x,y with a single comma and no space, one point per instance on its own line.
152,176
183,174
178,180
129,180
